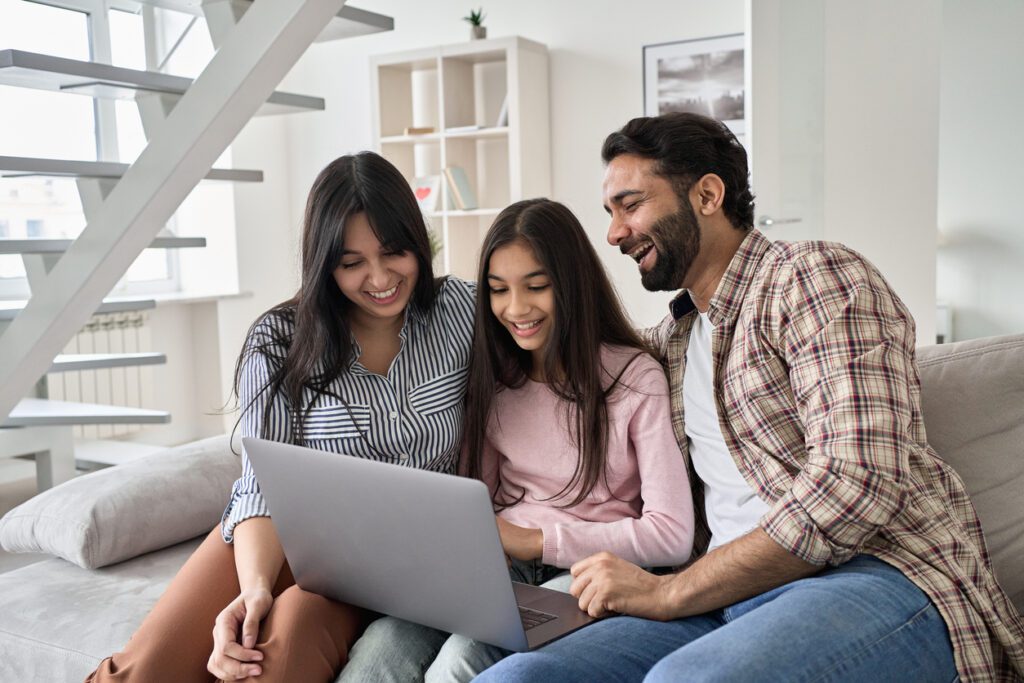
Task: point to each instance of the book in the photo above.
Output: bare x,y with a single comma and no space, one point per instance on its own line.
462,129
428,192
503,113
418,130
460,189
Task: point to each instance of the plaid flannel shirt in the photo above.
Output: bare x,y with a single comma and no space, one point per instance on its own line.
818,399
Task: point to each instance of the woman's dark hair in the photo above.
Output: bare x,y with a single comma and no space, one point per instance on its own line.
588,313
686,147
320,348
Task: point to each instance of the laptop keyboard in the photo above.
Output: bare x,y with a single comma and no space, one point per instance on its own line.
532,617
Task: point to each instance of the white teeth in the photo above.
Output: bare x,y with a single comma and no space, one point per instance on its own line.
639,253
383,295
526,326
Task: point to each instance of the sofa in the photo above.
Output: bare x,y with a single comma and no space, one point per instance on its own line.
119,535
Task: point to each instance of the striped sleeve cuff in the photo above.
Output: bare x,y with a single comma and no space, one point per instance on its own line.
242,507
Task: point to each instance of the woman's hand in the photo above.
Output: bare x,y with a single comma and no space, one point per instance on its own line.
520,542
235,656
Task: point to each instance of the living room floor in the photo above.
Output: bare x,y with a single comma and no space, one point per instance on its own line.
17,484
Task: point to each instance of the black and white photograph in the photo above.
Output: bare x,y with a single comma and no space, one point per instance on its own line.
704,76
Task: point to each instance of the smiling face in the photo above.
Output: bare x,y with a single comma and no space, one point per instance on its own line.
376,279
650,223
522,298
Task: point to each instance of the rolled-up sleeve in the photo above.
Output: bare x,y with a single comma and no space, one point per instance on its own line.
849,343
256,421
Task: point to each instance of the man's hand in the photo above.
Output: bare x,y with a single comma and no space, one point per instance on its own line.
235,657
606,584
519,541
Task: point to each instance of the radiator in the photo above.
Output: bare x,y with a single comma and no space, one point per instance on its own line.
126,386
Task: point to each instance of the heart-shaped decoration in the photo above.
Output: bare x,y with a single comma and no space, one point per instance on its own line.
422,193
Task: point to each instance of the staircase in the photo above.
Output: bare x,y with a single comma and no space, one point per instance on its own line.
188,124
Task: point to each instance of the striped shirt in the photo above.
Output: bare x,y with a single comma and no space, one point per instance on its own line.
413,416
818,397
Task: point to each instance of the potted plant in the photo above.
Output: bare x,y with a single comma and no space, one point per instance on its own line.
476,23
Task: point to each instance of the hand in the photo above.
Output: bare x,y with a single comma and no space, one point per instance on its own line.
233,657
519,541
606,584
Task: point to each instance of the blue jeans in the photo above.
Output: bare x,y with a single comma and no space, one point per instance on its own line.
462,658
862,621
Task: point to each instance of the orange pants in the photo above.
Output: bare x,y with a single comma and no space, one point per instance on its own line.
305,637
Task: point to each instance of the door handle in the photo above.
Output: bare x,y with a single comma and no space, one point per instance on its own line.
768,221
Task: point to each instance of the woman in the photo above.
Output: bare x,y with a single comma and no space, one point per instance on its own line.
367,359
568,416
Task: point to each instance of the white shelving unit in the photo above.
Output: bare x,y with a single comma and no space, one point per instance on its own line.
458,91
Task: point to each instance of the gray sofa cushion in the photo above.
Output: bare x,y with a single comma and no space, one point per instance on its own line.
122,512
973,401
57,621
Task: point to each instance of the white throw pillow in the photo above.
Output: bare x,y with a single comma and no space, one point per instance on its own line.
128,510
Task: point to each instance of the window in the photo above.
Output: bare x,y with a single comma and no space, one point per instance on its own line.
37,123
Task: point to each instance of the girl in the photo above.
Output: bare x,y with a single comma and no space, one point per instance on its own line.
368,359
568,416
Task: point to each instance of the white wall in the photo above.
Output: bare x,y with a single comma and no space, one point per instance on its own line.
980,217
881,141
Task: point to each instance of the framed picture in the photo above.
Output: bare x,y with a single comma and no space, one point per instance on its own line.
704,76
428,192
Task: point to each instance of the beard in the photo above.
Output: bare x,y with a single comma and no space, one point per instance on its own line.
676,239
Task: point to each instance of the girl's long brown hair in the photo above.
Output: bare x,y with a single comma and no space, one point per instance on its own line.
588,313
305,362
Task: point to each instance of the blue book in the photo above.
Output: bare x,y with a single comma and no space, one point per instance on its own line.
460,189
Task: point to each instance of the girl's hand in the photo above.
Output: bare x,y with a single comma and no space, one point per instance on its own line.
520,542
234,656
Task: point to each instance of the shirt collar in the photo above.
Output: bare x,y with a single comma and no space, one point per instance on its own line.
413,317
725,304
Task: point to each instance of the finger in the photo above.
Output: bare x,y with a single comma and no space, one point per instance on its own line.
585,596
579,583
250,629
582,566
231,670
241,654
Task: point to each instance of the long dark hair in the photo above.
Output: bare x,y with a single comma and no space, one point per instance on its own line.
588,313
686,146
319,349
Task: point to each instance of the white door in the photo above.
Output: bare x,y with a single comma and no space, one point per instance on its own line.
785,77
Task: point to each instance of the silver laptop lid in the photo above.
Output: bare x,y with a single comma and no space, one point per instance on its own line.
418,545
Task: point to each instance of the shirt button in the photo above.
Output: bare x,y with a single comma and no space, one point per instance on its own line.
393,414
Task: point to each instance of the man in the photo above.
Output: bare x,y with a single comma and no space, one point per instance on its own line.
841,546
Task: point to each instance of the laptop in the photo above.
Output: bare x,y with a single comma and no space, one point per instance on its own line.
418,545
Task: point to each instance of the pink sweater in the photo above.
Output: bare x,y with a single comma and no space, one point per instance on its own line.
644,514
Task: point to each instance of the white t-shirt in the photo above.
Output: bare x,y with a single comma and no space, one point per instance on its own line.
731,506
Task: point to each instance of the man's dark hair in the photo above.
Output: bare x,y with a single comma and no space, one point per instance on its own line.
685,147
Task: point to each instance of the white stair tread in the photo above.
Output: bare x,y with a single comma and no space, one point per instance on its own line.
15,166
112,452
58,246
46,72
9,309
38,412
66,362
348,23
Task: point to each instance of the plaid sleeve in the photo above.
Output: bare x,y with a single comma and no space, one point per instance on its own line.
848,342
658,335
